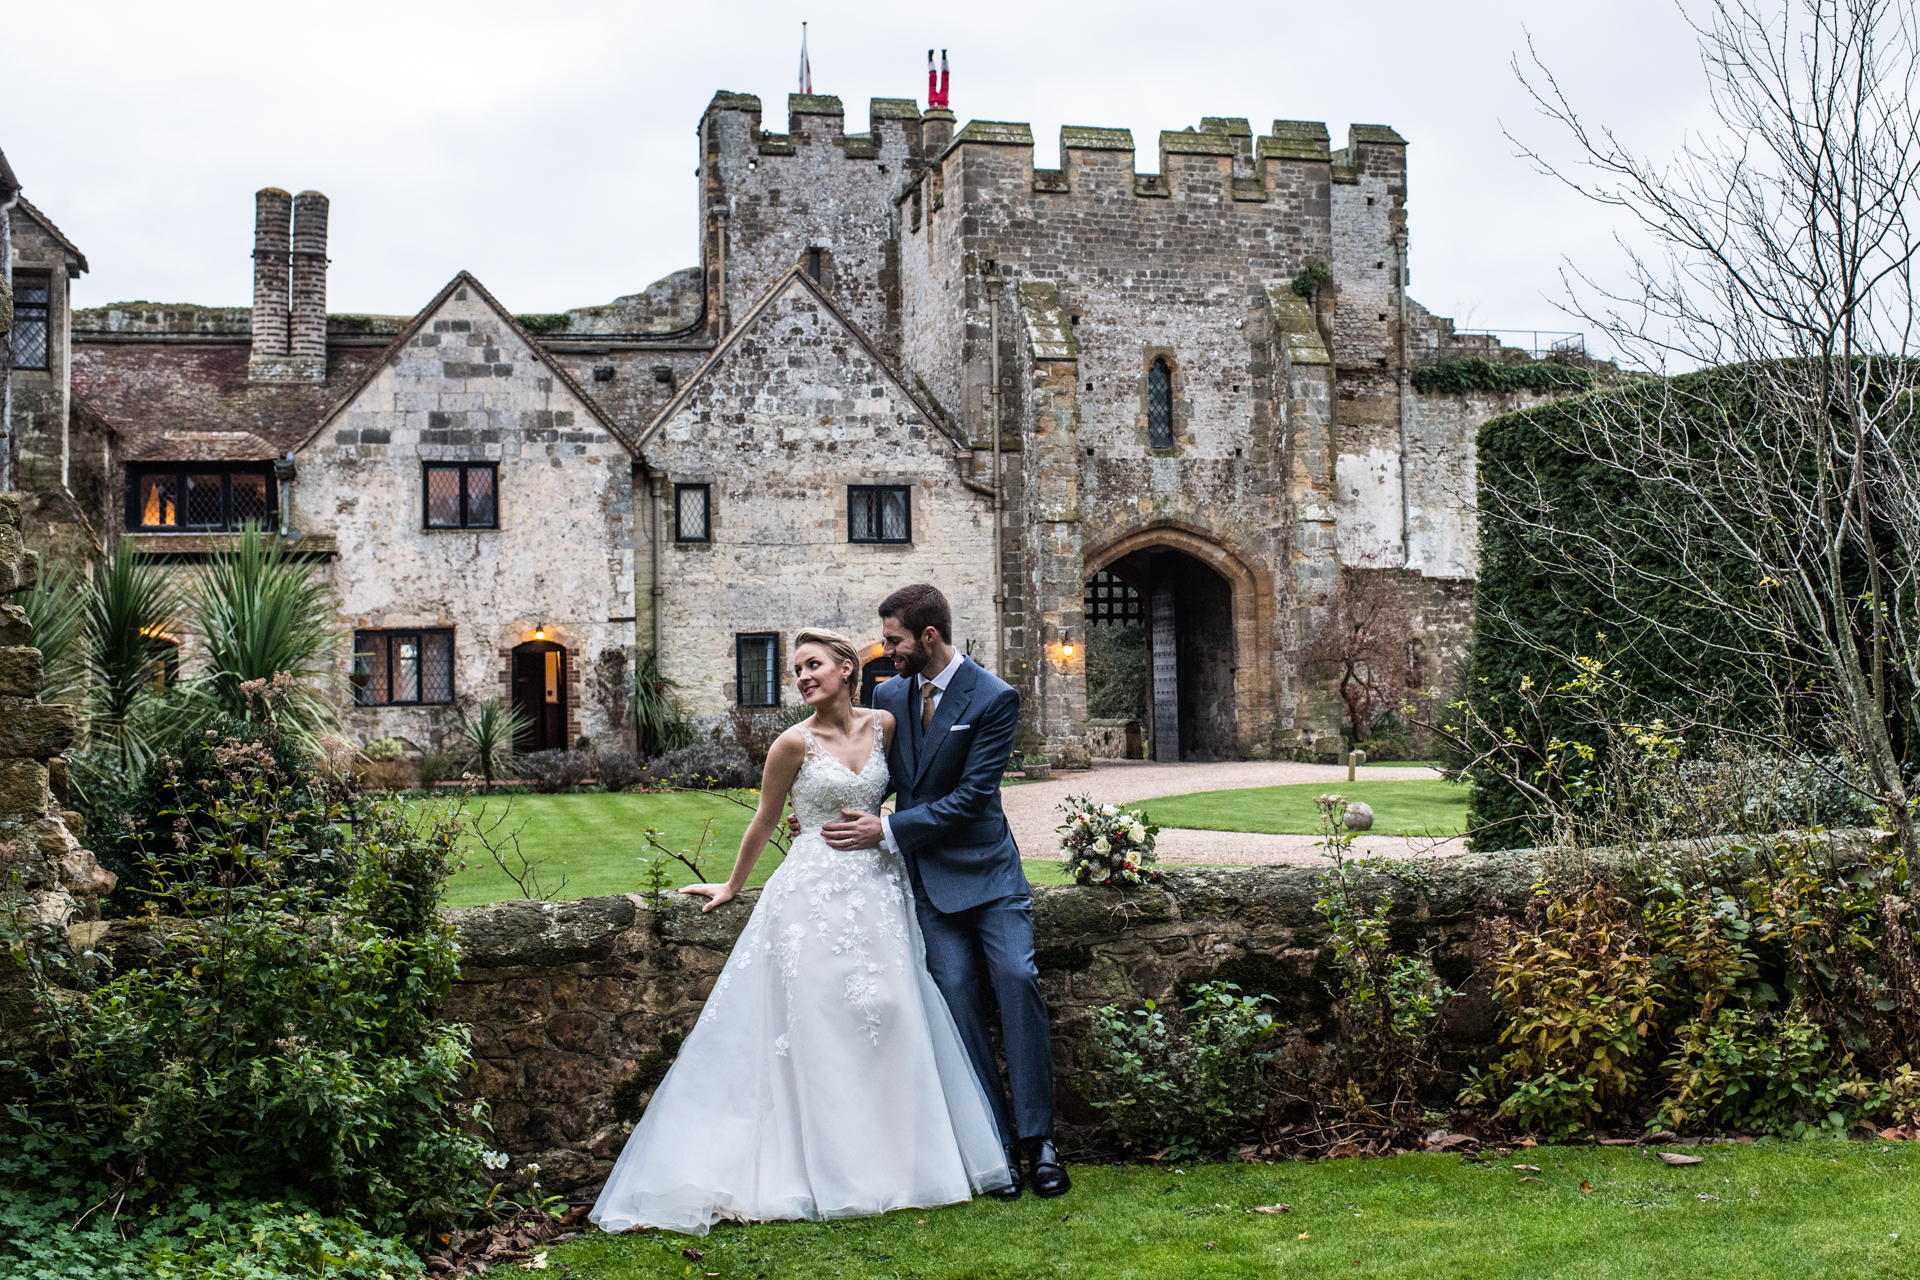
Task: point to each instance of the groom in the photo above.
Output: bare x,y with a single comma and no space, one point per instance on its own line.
954,731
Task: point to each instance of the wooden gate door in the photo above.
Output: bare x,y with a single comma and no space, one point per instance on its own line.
540,695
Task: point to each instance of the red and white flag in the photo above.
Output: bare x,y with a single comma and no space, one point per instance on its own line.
806,72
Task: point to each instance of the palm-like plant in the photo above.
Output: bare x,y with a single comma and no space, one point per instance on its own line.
127,612
264,613
660,725
489,736
57,608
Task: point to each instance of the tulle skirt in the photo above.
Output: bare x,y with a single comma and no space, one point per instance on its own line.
825,1077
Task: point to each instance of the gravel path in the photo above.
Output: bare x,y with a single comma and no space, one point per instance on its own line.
1033,810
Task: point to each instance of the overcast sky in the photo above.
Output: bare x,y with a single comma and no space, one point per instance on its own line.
550,149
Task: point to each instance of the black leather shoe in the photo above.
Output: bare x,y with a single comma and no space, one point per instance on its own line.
1048,1173
1013,1169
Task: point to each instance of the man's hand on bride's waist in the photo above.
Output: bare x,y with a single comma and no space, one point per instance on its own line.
855,830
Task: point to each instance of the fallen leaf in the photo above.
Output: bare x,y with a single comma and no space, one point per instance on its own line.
1619,1142
1665,1135
1210,1244
1529,1179
1530,1168
1585,1185
695,1254
1271,1208
1527,1142
1674,1157
1301,1236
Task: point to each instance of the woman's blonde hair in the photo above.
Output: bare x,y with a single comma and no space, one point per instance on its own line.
833,642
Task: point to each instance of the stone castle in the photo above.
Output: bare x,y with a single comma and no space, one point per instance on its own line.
1072,397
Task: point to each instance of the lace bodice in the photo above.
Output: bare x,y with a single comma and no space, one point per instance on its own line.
825,785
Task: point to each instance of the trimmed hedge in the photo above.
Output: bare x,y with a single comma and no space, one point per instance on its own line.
1522,604
1457,377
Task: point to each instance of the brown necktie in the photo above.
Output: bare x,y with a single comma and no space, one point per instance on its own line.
932,691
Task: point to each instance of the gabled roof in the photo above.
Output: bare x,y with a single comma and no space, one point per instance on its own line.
391,355
796,276
8,183
46,224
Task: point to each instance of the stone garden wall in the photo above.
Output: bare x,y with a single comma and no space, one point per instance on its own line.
568,1000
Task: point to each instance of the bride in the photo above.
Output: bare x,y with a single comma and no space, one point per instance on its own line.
825,1078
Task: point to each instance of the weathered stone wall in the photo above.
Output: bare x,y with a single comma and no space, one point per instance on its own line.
794,408
38,831
468,385
565,999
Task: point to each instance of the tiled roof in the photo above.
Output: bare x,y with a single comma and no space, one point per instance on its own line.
193,402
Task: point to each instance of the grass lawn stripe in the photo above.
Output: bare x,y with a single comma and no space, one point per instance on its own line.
1418,807
1822,1209
596,841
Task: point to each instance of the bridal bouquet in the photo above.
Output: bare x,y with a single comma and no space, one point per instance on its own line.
1105,844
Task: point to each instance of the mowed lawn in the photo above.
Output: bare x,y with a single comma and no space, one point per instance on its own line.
1815,1209
1421,807
598,842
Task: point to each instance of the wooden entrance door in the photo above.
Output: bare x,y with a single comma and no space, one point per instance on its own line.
540,695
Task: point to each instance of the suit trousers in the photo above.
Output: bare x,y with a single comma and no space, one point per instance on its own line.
998,935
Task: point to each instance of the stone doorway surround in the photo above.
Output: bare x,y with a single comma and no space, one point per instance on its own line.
1246,639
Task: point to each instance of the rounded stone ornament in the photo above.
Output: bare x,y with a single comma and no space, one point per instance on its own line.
1359,816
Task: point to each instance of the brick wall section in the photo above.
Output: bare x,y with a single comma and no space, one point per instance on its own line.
793,409
468,386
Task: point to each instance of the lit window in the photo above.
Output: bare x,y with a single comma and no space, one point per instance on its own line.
402,667
462,495
691,508
198,497
756,664
879,513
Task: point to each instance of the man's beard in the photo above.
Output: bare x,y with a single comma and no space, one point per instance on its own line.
910,659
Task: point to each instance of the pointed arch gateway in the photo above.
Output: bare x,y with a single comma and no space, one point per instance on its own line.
1209,614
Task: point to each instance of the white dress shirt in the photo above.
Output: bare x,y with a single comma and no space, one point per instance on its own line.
914,703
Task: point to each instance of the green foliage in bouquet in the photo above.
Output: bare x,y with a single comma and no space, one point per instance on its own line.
1105,844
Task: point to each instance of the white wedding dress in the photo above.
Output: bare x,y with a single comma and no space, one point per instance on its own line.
825,1078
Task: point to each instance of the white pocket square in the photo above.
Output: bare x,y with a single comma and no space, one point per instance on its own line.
957,728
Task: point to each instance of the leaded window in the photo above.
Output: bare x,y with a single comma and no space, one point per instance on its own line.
402,667
879,513
756,669
32,294
1160,406
199,497
692,512
462,495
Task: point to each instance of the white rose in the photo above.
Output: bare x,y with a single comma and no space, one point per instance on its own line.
1112,811
1138,834
1101,845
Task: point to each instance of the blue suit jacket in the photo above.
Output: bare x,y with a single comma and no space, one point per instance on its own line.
947,818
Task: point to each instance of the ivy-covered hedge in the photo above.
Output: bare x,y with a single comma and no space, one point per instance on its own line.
1544,504
1457,377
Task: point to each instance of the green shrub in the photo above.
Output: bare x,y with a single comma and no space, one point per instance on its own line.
135,828
234,1238
1457,377
285,1036
1580,995
1190,1085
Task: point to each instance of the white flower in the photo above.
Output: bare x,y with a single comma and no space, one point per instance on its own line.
1137,834
1112,811
494,1159
1101,845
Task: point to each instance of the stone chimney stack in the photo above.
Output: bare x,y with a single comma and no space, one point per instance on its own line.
308,332
272,235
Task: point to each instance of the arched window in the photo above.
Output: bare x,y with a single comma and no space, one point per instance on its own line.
1160,406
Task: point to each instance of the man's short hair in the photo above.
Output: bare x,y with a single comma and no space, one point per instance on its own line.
919,606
